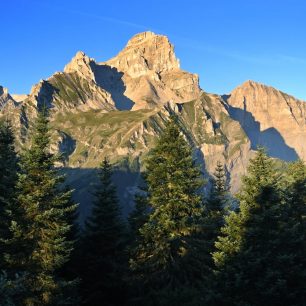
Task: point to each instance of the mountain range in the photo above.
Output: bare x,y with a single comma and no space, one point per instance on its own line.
119,107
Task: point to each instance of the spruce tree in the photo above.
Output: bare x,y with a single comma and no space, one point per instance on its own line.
8,179
11,289
214,214
139,215
42,228
103,246
292,259
250,248
217,201
167,261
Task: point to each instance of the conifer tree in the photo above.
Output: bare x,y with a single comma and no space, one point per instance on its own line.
11,289
249,249
217,201
292,259
8,179
139,216
103,246
42,227
214,214
167,261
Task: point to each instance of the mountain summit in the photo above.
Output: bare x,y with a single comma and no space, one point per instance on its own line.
151,73
270,118
119,107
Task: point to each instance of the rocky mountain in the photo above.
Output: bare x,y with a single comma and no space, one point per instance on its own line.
119,107
150,72
6,100
270,118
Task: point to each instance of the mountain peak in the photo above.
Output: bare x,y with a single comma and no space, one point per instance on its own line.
3,90
144,53
251,83
80,63
5,98
140,37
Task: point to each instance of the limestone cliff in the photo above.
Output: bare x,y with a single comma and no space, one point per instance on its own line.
6,100
270,118
150,72
74,89
119,108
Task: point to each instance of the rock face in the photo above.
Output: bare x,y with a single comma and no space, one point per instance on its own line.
75,89
19,98
81,64
6,100
150,73
119,108
270,118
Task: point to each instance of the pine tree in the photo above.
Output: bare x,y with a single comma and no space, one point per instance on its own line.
8,179
167,261
103,246
292,259
40,233
11,290
139,216
249,249
214,214
217,202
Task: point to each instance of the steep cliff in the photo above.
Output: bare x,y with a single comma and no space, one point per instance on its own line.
270,118
150,72
118,109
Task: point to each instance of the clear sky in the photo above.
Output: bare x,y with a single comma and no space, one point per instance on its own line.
226,42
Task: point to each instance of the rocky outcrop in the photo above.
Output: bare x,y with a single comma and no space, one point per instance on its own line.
270,118
12,110
73,90
146,53
19,98
127,137
145,80
81,64
6,100
150,72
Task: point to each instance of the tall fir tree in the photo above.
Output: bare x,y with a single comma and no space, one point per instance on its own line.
167,261
250,251
217,201
292,259
214,214
8,179
40,233
103,246
140,214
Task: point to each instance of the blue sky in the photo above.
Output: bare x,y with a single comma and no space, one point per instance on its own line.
225,42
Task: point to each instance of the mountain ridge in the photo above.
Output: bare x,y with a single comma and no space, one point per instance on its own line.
119,107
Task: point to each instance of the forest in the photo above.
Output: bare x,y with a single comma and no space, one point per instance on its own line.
188,241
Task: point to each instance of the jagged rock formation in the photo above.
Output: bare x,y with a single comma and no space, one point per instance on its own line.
10,109
6,100
118,109
270,118
19,98
150,73
127,137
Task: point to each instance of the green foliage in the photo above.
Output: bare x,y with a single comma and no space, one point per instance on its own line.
215,208
292,263
139,216
40,232
218,197
8,178
11,289
256,252
103,257
167,257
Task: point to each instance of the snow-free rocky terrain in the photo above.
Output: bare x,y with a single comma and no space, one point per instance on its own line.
119,107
